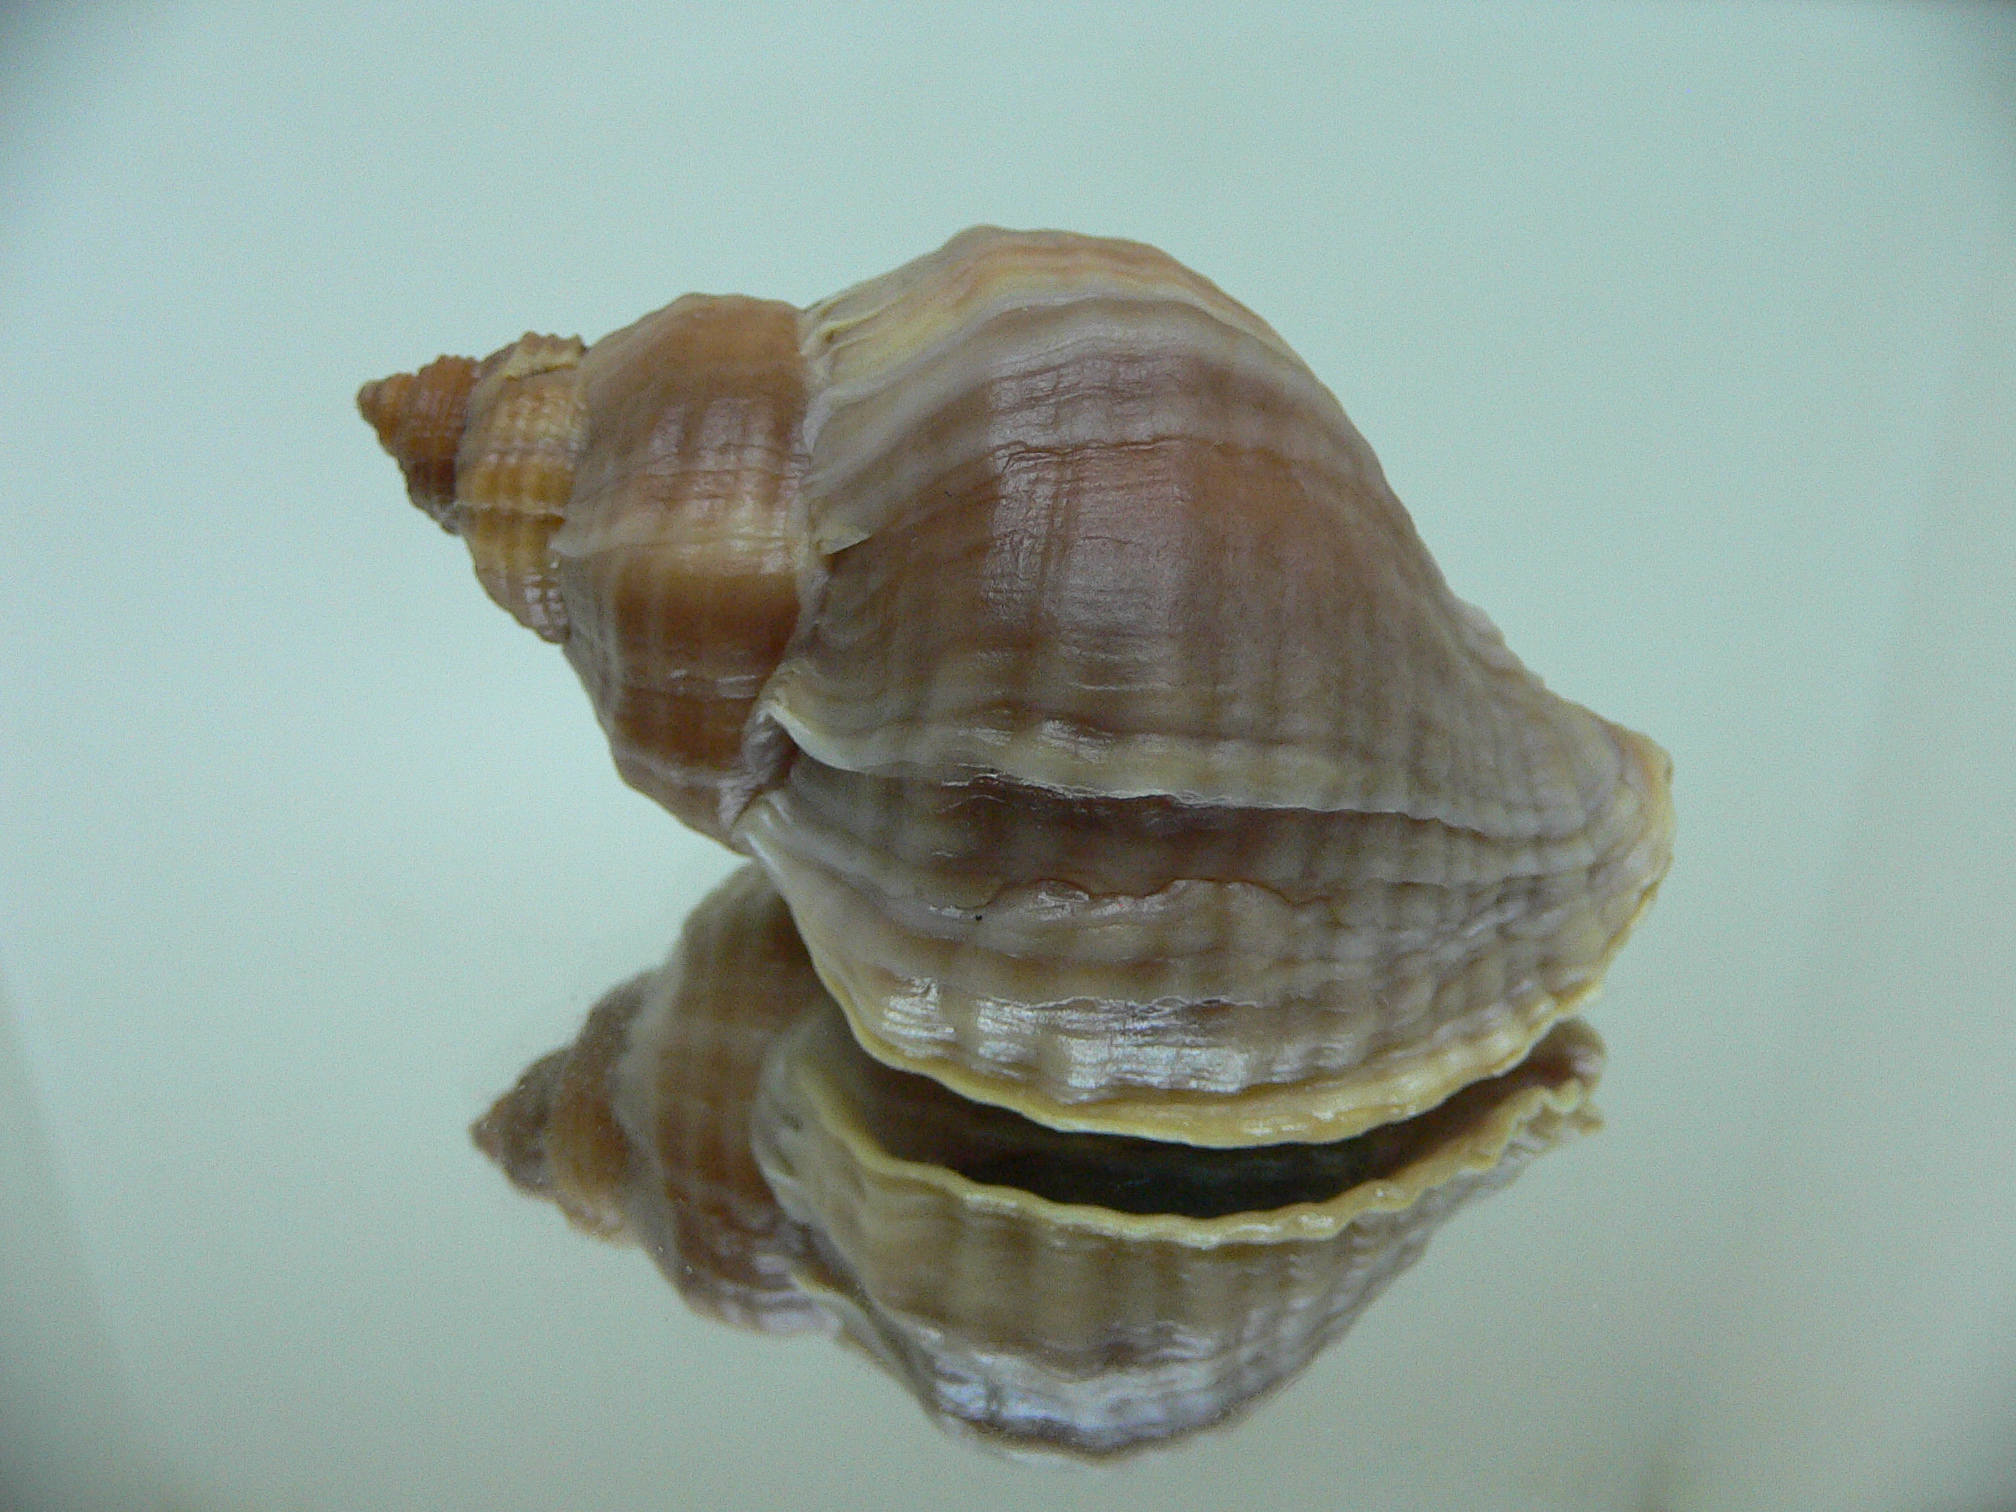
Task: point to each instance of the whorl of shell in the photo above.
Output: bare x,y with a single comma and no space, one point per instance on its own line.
633,501
1050,1292
1043,626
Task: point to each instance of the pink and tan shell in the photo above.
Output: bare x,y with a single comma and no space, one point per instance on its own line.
1119,772
1044,628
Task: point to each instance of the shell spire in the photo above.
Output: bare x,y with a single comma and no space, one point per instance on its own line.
636,502
418,418
488,450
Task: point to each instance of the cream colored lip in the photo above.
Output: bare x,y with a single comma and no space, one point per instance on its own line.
1561,1072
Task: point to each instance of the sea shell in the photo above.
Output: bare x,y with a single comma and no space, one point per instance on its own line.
1041,624
1047,1292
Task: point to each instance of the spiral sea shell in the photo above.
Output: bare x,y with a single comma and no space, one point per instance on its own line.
1047,631
1041,626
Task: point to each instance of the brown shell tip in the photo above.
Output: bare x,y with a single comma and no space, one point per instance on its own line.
513,1132
419,418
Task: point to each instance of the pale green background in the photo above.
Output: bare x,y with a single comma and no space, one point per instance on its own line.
1686,332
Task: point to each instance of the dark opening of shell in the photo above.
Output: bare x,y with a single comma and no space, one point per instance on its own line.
914,1118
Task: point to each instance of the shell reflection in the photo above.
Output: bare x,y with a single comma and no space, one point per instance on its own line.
639,1130
1047,1291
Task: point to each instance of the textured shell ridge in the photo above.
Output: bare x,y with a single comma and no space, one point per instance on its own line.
1537,1115
1303,776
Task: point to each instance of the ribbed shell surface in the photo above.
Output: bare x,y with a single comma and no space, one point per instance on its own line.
1143,774
1062,1326
1198,973
1087,523
680,557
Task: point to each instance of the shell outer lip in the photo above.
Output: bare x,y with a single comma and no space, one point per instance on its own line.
1307,1112
1480,1149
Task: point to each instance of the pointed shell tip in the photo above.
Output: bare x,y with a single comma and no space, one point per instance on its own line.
418,418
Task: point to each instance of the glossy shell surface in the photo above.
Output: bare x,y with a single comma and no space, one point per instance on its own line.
1058,1323
1041,624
